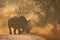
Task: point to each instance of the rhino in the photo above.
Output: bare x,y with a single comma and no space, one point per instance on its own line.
18,23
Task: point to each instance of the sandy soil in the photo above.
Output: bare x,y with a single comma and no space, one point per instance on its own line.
20,37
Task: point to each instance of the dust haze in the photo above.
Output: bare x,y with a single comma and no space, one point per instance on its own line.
44,16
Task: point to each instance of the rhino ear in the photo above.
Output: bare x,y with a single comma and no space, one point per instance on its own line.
28,20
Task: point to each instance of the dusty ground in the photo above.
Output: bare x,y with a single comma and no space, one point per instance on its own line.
47,32
20,37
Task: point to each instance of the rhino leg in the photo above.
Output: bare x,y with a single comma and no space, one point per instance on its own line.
19,32
10,30
14,30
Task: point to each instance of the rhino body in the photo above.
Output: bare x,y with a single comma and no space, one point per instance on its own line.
18,23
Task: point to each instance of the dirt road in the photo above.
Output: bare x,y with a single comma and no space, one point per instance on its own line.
20,37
